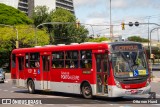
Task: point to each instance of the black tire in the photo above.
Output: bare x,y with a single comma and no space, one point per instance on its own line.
86,91
31,87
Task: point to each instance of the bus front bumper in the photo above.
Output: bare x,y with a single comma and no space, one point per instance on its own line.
114,91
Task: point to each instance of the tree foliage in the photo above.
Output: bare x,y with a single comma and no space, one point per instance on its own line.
67,33
26,37
60,33
137,39
41,14
97,39
12,16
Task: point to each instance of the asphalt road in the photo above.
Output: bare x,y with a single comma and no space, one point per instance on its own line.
7,90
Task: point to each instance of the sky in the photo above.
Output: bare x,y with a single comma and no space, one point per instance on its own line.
97,12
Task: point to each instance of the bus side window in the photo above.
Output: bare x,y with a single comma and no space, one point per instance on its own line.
86,59
32,60
57,59
71,59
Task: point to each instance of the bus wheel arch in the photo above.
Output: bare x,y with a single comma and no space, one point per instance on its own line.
30,86
86,89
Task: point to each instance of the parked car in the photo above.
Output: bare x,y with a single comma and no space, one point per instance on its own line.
2,75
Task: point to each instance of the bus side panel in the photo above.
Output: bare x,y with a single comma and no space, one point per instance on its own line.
68,80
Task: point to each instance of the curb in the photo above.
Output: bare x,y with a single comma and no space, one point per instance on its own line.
155,69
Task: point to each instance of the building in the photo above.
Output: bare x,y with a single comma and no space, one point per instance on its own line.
27,6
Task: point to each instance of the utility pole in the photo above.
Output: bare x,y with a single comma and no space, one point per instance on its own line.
158,34
148,31
111,27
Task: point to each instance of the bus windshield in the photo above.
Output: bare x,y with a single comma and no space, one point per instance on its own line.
129,64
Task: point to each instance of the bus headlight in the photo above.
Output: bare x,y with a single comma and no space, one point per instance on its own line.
118,84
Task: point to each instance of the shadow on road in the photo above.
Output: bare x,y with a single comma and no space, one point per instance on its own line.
65,98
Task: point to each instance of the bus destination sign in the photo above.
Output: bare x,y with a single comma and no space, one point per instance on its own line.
126,47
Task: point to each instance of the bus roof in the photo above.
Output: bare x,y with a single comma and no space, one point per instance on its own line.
82,46
85,46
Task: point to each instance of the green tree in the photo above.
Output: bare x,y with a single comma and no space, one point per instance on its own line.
26,37
41,14
67,33
137,39
12,16
97,39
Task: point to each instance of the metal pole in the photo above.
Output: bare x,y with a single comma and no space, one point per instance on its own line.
92,30
110,22
158,34
17,42
148,32
151,39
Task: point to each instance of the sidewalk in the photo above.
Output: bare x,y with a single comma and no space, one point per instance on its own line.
155,79
156,67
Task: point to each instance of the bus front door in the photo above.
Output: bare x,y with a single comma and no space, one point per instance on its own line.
101,69
20,71
45,72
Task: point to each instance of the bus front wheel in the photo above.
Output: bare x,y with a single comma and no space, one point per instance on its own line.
86,90
31,87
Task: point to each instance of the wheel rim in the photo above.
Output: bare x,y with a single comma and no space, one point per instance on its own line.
87,90
30,87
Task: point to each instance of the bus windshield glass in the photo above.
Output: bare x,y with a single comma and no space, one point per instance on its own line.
129,63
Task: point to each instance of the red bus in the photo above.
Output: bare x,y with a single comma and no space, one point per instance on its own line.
91,69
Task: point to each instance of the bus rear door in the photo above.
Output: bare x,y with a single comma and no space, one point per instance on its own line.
45,68
101,73
20,70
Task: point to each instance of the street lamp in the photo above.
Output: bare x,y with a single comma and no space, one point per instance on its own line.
150,38
17,43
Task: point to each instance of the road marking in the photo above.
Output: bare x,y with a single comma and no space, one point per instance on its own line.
11,91
14,87
28,104
6,81
72,106
51,96
5,90
49,104
97,101
156,104
125,106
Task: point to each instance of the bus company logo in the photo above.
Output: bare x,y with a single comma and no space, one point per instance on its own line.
67,76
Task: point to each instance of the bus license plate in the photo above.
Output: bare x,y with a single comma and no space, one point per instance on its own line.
133,92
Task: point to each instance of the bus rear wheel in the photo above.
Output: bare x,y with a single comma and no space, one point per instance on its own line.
86,90
31,87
